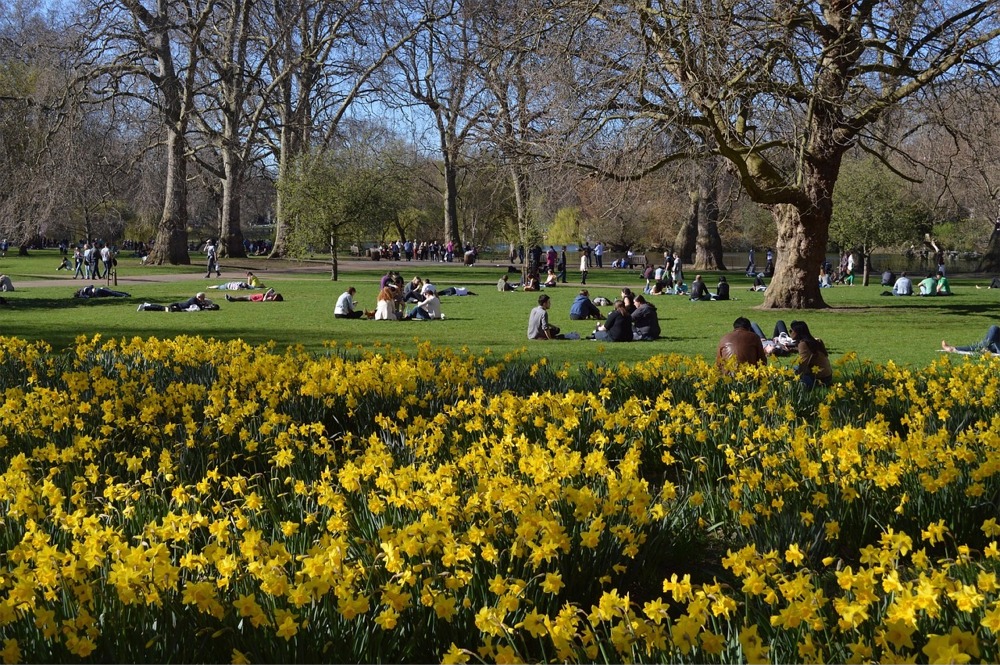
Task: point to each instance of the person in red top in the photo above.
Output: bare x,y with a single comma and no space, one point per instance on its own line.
268,296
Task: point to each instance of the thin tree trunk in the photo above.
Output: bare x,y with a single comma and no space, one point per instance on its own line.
451,230
334,267
521,196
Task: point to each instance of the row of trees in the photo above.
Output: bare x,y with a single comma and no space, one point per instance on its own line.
627,110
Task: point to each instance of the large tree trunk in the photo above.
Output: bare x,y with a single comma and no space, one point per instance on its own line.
230,230
170,245
990,262
687,236
800,251
708,248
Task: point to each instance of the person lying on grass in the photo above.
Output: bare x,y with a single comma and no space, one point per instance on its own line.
195,304
989,344
99,292
268,296
251,282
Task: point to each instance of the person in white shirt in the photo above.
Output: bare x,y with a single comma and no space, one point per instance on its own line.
345,306
430,308
106,258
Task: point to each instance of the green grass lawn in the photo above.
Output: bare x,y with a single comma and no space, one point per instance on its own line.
905,330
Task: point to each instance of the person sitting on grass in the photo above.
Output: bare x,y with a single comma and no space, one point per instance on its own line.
427,310
943,287
532,283
722,289
503,285
740,346
344,309
617,327
268,296
989,344
583,308
814,360
538,321
99,292
385,304
195,304
413,291
645,321
699,291
928,286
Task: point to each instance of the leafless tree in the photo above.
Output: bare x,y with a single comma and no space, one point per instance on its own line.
437,70
148,51
326,56
780,89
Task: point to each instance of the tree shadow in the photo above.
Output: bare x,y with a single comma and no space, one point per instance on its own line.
69,302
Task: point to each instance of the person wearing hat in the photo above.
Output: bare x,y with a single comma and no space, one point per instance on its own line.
195,304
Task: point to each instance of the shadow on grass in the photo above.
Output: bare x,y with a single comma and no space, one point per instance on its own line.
29,303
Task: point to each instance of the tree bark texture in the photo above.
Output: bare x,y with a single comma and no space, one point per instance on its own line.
171,241
800,250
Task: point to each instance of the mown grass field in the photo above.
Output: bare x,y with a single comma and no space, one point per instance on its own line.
905,330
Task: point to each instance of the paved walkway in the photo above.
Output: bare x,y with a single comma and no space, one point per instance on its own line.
267,269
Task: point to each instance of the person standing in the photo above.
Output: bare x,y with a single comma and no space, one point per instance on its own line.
584,265
107,256
78,269
599,254
561,266
750,262
212,254
849,278
677,270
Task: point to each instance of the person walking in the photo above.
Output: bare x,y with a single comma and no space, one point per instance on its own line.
212,254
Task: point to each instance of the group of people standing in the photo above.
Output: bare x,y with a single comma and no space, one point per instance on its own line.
89,258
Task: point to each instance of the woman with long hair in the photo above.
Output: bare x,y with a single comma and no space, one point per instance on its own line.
814,361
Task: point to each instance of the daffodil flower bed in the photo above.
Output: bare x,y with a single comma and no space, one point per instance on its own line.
200,501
